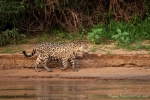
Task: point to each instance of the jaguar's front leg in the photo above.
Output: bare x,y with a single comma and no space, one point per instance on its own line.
73,65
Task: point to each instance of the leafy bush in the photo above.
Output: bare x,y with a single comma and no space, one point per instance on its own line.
121,31
11,14
122,37
97,33
11,37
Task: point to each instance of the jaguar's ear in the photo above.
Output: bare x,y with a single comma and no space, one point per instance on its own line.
83,43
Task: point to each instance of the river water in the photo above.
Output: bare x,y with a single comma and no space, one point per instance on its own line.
74,90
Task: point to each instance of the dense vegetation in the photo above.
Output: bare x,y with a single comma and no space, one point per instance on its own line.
124,21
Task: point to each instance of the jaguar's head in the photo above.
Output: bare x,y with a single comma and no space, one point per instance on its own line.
83,48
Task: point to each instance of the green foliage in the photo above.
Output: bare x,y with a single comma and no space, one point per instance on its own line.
38,15
129,32
9,50
94,48
82,35
123,33
77,36
11,14
43,38
60,35
11,37
27,15
39,3
121,37
138,46
97,33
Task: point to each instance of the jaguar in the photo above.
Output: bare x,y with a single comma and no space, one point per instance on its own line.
54,51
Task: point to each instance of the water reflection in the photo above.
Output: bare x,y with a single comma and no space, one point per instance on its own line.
74,90
61,90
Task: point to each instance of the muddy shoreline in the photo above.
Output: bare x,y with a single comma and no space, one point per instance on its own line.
91,66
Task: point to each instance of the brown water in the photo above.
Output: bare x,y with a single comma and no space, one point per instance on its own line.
74,90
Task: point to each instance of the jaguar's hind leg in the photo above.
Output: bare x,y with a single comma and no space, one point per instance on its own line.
38,61
45,65
65,64
41,59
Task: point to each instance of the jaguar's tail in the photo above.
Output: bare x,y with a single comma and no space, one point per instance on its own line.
30,55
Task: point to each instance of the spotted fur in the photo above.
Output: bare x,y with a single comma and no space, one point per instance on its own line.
52,51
